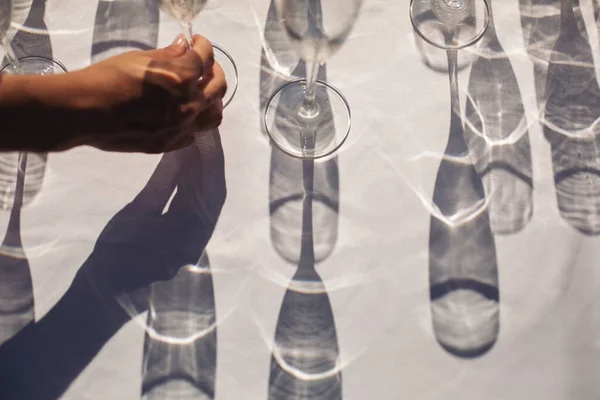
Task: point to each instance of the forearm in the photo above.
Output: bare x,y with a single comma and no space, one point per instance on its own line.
47,113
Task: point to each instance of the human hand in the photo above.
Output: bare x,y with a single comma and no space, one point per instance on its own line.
152,101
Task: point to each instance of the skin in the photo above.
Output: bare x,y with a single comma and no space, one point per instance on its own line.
139,101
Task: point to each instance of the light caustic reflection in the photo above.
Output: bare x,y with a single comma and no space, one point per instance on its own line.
463,271
46,32
279,63
16,286
570,120
302,194
287,192
286,204
333,284
34,177
540,22
468,210
180,349
497,136
28,31
124,25
305,360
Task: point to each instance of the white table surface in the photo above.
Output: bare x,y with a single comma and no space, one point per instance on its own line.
377,275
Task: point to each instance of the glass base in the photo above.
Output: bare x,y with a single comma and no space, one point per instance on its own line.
450,24
313,137
435,58
231,72
36,65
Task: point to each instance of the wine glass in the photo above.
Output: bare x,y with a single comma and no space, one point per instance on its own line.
184,11
299,117
456,23
31,65
15,11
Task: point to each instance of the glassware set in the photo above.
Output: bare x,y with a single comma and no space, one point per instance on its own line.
299,115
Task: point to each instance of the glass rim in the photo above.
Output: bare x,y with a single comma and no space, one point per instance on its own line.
471,42
297,155
235,69
52,60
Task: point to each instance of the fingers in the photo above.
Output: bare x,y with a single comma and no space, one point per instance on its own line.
214,86
200,57
191,64
208,91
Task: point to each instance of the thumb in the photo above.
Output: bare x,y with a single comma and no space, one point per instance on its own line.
175,49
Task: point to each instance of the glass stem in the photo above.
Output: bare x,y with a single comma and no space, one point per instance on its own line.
186,28
11,57
453,76
456,141
309,108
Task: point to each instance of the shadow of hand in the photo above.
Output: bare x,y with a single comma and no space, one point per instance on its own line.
142,244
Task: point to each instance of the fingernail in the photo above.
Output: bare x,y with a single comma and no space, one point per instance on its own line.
179,39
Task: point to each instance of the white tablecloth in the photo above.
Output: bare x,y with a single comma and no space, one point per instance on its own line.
377,274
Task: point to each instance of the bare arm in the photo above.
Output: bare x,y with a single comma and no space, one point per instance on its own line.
140,101
41,113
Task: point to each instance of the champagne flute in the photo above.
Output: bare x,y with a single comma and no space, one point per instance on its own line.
299,117
30,65
26,16
184,11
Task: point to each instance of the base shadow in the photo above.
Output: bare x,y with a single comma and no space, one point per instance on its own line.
180,348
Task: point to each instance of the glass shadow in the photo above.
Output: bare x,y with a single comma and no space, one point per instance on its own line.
540,22
16,286
571,115
123,25
285,178
303,207
305,362
463,270
180,348
497,135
